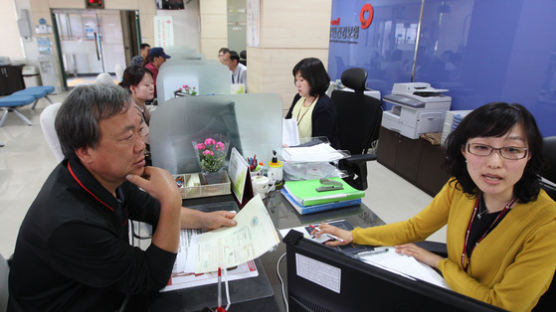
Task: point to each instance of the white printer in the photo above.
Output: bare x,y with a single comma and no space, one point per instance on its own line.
418,108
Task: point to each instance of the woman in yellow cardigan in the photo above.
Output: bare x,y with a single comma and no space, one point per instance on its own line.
501,226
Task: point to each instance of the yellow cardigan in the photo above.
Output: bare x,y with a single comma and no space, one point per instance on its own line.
511,267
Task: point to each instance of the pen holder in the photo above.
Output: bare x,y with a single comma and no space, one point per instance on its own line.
257,172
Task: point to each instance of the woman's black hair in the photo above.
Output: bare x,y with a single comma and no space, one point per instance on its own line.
495,120
312,70
133,76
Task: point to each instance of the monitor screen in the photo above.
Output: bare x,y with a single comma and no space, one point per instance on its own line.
323,279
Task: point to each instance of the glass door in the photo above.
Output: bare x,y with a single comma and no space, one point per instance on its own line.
91,42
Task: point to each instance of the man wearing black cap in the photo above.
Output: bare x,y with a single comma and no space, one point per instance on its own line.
155,59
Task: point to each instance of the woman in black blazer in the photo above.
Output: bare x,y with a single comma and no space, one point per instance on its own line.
311,107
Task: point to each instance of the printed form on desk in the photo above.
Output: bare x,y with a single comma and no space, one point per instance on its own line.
253,235
403,265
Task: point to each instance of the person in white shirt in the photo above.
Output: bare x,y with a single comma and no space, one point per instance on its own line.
239,71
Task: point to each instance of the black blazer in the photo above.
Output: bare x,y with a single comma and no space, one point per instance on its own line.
323,118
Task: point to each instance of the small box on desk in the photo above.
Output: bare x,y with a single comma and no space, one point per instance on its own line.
194,185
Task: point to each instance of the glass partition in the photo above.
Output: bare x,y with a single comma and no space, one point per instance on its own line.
250,122
206,77
178,53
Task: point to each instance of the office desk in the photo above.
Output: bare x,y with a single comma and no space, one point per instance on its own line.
262,293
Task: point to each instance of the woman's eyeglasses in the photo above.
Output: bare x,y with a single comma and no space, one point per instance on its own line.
508,152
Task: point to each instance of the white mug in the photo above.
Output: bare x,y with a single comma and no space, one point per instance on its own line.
260,185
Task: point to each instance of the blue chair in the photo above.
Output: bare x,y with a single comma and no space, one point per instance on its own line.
10,103
37,92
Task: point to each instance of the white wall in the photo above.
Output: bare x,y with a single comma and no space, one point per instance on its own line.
187,29
11,46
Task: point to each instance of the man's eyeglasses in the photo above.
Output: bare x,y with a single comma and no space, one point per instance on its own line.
508,152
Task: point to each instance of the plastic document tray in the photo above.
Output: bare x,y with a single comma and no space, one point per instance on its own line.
215,185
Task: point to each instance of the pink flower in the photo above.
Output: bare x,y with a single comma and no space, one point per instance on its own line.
207,152
219,146
200,146
209,141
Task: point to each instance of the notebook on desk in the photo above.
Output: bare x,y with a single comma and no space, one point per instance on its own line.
303,210
307,193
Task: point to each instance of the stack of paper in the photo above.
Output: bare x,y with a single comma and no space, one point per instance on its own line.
315,153
183,273
403,265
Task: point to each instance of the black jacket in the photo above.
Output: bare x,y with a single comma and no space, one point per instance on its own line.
72,252
323,118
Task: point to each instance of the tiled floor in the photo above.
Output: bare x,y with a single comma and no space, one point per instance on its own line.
26,161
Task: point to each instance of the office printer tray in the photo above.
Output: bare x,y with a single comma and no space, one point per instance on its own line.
400,99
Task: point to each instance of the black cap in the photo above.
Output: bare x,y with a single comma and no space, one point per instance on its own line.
158,51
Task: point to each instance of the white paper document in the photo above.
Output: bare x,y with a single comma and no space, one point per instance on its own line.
315,153
187,252
253,235
180,280
290,133
403,265
183,272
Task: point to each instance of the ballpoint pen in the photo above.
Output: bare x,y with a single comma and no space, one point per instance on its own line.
219,288
219,308
331,236
372,252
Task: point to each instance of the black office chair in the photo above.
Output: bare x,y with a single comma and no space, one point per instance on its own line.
549,171
548,300
358,125
243,57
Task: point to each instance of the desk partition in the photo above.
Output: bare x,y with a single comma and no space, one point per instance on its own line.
208,77
178,53
251,122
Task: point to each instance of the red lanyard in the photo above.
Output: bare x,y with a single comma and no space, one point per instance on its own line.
500,215
86,189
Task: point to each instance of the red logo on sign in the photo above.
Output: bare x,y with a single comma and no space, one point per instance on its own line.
366,22
335,22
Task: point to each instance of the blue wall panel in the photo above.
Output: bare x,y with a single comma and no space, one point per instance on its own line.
482,51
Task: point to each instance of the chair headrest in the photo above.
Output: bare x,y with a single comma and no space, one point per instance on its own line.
549,152
355,78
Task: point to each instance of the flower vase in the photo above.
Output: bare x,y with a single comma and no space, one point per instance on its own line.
208,177
211,156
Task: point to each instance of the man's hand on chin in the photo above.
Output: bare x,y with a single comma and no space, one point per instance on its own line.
159,183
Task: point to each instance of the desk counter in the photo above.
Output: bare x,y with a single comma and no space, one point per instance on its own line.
262,293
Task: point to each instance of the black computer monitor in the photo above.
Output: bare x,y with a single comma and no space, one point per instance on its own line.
323,279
